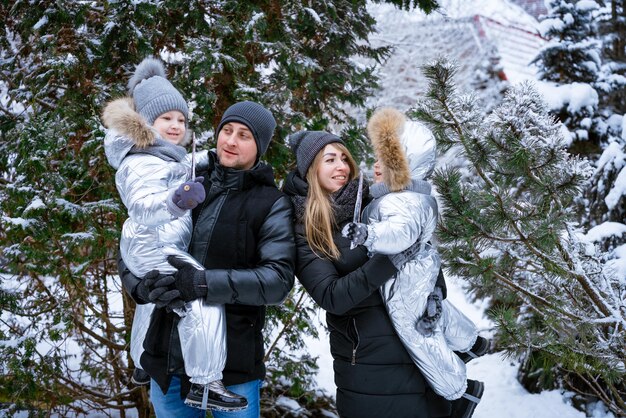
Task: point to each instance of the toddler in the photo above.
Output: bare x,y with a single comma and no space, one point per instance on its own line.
401,213
143,143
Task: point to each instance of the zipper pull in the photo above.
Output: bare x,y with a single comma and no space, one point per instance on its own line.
353,356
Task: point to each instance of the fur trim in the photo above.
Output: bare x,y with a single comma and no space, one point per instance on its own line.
147,68
385,129
120,115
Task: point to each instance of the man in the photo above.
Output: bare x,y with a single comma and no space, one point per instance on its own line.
243,236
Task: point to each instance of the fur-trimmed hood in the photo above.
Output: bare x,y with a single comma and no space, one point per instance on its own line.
126,128
407,149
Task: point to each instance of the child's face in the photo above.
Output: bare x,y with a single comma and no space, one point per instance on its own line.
378,172
171,126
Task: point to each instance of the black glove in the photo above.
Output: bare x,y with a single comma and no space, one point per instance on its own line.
165,295
189,194
190,281
355,232
428,321
400,259
144,287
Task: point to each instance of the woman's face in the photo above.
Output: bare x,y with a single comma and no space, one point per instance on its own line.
333,172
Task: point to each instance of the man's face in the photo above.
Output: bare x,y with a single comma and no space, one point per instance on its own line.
236,147
171,126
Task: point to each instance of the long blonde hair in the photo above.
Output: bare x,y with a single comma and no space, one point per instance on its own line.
319,218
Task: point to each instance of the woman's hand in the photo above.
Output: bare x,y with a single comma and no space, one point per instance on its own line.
400,259
356,232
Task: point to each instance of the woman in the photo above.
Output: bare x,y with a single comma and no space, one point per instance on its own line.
374,374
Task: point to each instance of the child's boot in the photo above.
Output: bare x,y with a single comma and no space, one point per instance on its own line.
214,396
480,348
465,405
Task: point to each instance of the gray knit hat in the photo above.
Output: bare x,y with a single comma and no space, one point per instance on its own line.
257,118
153,93
306,144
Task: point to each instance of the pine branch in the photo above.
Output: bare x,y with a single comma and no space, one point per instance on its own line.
521,290
584,282
504,221
287,325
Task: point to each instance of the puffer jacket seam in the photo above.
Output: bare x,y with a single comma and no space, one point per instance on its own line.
217,207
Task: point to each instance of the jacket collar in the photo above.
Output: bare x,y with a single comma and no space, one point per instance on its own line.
229,178
418,186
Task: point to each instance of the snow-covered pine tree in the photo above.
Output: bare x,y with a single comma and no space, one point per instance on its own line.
64,331
571,58
65,318
571,54
586,60
605,201
507,223
610,22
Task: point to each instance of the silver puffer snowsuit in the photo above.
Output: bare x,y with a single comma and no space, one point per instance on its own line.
149,170
403,212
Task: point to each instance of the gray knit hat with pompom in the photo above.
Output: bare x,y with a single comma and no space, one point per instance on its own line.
306,144
257,118
153,93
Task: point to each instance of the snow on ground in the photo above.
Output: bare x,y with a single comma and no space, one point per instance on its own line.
504,395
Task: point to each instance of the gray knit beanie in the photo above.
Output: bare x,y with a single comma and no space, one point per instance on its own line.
257,118
153,93
306,144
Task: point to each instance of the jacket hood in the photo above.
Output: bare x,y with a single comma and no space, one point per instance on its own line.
407,149
127,128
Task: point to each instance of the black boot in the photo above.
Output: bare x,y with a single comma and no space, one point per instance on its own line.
480,348
140,377
217,397
465,405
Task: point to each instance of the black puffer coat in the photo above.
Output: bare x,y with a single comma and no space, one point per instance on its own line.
243,236
373,371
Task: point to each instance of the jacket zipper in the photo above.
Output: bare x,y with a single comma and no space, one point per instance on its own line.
220,203
355,344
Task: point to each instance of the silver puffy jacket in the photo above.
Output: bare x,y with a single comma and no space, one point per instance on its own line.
395,221
156,228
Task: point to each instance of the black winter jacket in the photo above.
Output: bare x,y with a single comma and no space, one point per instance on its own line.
243,235
374,374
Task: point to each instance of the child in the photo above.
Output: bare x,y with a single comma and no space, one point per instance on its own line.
143,144
403,212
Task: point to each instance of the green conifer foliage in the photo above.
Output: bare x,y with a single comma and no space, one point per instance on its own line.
604,198
586,49
65,318
572,55
508,225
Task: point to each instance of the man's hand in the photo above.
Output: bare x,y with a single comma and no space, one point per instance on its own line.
189,194
355,232
165,295
144,287
190,281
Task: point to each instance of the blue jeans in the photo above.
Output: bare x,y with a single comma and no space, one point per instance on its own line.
171,405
